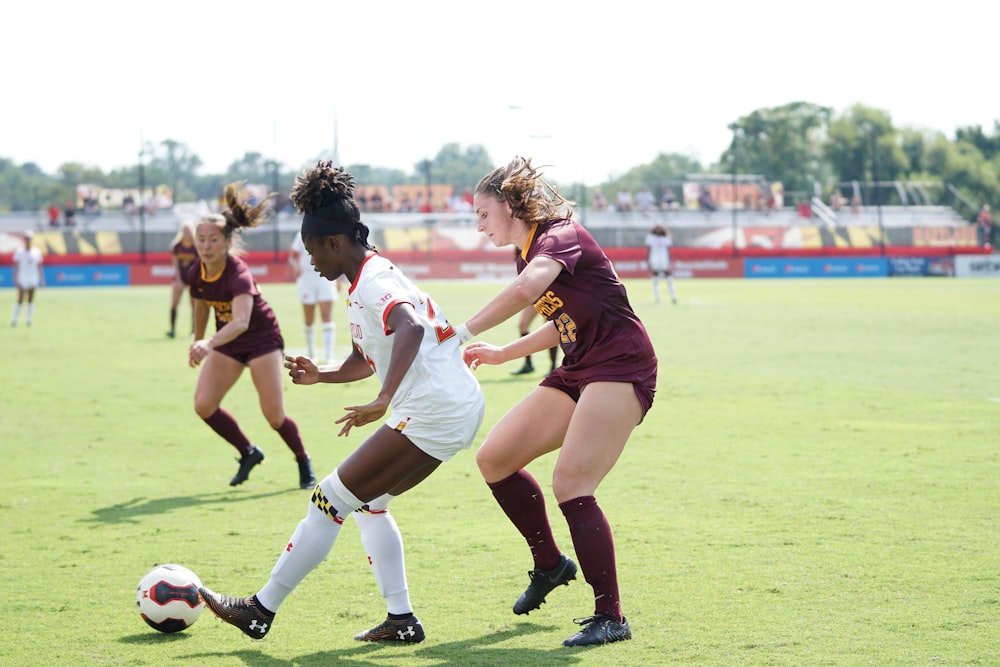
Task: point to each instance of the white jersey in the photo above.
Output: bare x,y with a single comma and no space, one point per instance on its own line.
659,252
27,267
312,287
439,405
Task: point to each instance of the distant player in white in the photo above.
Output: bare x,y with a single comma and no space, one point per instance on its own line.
314,290
658,243
433,402
27,277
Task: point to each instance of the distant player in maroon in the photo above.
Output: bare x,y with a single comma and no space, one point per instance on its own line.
247,336
587,407
183,254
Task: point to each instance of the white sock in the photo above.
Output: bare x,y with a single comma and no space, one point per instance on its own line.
30,313
384,545
670,288
656,287
17,313
329,334
312,540
309,331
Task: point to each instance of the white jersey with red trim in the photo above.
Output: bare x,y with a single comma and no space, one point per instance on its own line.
438,385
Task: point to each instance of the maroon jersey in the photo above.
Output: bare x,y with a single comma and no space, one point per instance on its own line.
185,255
263,334
600,335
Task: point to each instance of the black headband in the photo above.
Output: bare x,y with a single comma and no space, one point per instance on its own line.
317,225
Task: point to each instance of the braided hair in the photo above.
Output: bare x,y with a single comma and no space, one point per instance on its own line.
325,192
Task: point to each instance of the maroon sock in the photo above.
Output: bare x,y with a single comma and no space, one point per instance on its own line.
225,425
523,502
595,548
289,432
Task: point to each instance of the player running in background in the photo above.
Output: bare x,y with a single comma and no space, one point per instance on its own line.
313,290
28,277
434,406
247,336
183,254
658,243
586,408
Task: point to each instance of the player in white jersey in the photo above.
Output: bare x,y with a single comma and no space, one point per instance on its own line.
27,277
658,243
314,290
434,405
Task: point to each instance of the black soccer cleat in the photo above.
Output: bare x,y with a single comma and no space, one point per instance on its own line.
527,368
307,478
247,464
245,613
542,583
407,630
599,629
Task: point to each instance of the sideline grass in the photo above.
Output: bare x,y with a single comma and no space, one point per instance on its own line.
815,485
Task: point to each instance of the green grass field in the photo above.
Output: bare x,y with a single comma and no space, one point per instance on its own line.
817,484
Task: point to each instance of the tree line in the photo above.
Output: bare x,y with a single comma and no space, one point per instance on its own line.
806,147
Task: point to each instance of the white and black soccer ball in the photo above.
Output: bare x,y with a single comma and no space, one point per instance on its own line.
167,598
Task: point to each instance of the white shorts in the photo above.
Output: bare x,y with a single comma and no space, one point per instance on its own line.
315,289
437,433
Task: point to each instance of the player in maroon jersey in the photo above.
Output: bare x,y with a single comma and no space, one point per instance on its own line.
247,336
183,253
587,406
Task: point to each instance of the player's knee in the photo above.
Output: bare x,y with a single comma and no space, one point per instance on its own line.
490,464
275,418
204,408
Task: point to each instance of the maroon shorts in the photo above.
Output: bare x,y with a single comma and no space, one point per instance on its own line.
244,349
643,382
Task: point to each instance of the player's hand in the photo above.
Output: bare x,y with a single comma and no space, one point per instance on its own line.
359,415
301,369
197,352
479,353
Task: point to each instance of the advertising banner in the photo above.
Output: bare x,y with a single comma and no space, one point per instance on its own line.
921,266
977,266
817,267
86,275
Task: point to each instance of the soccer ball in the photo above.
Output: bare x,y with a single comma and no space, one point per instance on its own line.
168,599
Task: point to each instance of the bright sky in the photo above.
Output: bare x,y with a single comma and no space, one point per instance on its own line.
591,89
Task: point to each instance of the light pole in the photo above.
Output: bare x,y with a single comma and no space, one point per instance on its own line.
142,203
875,193
736,132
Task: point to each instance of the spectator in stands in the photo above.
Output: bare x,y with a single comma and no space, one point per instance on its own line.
668,200
985,222
856,203
623,202
705,202
597,201
645,201
54,215
837,200
69,213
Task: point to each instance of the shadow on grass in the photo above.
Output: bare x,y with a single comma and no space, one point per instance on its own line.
481,652
154,638
130,511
